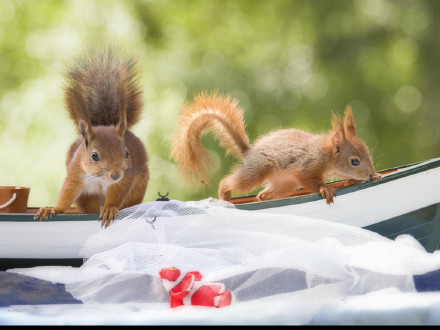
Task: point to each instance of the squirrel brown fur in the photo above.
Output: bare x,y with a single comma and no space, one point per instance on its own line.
107,166
284,160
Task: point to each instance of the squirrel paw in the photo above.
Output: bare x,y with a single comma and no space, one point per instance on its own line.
225,195
108,214
376,177
349,182
44,213
328,193
265,195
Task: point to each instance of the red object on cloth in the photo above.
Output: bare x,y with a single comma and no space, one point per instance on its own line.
190,290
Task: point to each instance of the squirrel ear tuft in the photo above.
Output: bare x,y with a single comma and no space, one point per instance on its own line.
349,125
337,140
336,122
121,126
338,135
86,132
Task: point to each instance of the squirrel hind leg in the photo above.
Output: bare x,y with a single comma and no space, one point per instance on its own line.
242,180
280,185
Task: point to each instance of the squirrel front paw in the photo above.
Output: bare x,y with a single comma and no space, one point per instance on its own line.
328,193
349,182
44,213
108,214
376,177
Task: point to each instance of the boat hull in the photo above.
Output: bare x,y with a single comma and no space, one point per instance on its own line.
405,201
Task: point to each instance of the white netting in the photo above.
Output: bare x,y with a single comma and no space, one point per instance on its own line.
257,256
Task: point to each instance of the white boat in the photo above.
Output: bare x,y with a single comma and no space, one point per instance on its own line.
405,201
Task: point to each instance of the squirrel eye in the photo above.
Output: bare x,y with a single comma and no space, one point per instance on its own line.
355,162
95,156
126,153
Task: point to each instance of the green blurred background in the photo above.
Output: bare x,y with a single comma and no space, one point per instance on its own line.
288,62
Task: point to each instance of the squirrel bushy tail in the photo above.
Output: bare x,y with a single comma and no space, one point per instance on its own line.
101,85
208,112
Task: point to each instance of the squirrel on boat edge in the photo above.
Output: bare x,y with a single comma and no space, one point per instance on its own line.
284,160
107,165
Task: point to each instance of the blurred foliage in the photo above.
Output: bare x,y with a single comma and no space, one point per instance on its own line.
289,63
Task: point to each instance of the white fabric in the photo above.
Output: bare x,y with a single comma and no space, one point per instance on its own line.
267,261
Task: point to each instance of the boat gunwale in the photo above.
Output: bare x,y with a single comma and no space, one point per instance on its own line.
392,174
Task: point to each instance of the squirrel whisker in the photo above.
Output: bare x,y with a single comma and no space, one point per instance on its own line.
133,169
92,176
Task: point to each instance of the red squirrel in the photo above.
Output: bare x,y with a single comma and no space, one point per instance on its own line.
284,160
107,164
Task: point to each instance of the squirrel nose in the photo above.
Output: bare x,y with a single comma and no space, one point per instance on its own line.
115,176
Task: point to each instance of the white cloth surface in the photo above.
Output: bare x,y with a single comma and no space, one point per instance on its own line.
281,269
